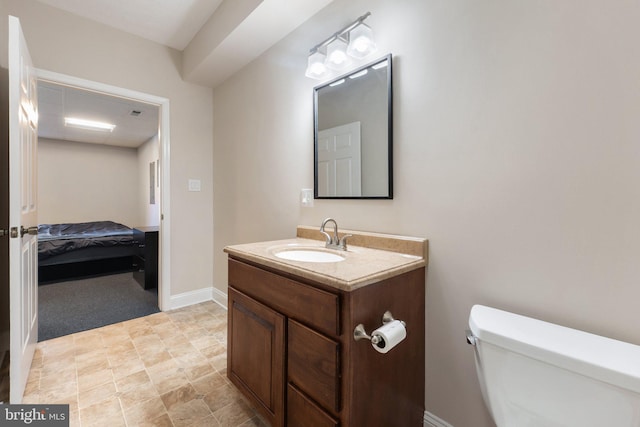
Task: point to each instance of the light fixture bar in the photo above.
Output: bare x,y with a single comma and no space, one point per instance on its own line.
88,124
340,33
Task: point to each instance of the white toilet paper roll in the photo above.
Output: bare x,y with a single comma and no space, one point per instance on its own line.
390,335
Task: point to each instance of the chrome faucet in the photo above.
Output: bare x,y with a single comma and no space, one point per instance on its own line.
334,242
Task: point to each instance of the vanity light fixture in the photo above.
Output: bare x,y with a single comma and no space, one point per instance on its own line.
353,41
88,124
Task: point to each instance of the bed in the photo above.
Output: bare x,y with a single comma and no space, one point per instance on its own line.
67,251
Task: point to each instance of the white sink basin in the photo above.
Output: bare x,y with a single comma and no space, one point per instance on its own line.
308,255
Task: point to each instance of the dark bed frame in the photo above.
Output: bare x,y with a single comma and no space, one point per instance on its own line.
87,262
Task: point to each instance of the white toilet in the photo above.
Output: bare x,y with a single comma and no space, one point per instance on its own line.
538,374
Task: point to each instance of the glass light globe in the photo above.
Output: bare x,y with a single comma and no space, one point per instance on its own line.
337,57
316,69
361,43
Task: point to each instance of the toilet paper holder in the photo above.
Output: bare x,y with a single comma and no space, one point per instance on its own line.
359,333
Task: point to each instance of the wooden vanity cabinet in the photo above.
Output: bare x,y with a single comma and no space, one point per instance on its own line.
291,349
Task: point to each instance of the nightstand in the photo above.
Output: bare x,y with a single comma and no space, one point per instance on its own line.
145,260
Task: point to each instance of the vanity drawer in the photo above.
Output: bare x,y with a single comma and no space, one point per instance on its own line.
314,365
303,412
318,308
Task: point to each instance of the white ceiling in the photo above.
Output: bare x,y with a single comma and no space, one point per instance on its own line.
216,37
172,23
55,102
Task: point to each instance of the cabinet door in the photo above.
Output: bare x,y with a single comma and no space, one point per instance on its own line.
255,359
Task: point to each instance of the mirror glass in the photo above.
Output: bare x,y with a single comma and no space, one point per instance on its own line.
353,135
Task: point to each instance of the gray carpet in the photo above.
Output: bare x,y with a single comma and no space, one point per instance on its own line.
78,305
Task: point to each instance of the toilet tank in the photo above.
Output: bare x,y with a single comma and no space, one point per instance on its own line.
538,374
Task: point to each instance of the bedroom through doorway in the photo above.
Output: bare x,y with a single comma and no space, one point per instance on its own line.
102,205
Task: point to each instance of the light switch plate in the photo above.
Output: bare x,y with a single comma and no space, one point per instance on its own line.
194,185
306,197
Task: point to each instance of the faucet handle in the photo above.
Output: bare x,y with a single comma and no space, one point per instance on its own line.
343,241
327,237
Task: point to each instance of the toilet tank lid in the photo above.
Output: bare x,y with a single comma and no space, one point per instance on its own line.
612,361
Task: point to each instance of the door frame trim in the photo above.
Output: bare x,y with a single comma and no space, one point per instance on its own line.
164,275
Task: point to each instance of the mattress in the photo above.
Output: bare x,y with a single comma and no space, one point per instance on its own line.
58,239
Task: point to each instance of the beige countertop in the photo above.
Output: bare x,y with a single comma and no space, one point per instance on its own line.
392,255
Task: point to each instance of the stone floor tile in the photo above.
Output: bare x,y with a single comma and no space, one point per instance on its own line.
163,370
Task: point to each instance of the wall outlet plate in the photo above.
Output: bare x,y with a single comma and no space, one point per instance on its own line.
306,197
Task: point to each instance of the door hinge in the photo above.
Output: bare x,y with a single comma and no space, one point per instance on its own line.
13,233
3,232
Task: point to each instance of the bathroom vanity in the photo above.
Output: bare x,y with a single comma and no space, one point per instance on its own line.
291,346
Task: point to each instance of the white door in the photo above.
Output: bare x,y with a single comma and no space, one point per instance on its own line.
23,218
339,161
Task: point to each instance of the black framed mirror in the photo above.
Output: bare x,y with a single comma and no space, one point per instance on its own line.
353,134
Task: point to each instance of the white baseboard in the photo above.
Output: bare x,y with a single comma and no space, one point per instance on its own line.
431,420
196,297
220,298
190,298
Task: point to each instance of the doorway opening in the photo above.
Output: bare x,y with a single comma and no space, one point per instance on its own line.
153,214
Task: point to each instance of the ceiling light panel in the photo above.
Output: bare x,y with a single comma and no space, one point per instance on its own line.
88,124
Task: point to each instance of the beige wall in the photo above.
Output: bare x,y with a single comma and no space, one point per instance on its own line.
64,43
516,154
79,182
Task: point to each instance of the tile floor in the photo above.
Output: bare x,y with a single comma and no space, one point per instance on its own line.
166,369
